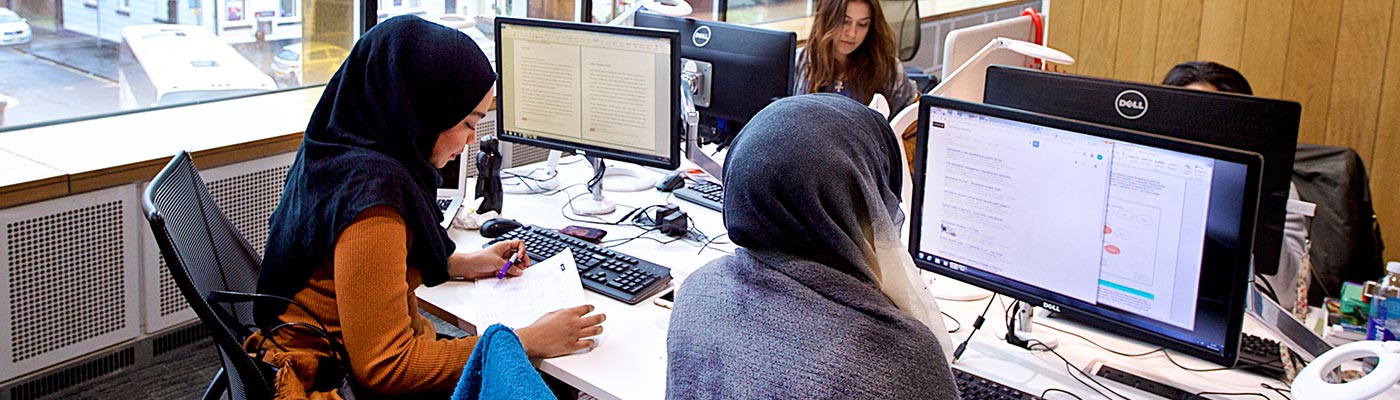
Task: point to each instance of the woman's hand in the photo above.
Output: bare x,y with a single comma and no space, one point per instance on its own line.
561,332
486,262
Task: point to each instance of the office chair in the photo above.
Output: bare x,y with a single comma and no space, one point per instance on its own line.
216,271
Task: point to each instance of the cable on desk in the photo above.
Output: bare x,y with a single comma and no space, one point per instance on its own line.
1151,351
1202,395
955,320
1047,391
712,240
599,220
610,244
1281,391
976,324
1268,287
559,190
1099,345
1216,369
527,177
1070,366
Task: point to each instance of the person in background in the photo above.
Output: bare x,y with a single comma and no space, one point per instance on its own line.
1208,76
1213,77
851,51
357,228
821,299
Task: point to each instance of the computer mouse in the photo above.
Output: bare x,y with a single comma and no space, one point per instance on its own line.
671,182
498,226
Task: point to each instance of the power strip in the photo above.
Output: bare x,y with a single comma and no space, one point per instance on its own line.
1143,384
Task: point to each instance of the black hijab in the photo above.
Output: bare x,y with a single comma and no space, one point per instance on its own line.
368,144
834,173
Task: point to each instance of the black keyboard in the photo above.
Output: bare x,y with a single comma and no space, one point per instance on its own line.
613,274
1260,355
976,387
706,194
443,203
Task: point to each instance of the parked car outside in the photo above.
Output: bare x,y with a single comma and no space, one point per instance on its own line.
310,64
13,28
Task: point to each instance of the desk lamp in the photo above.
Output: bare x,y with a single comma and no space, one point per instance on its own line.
546,179
1019,46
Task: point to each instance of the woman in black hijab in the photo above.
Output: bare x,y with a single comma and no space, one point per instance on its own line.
821,300
357,229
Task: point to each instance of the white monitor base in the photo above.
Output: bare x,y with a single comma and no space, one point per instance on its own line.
620,178
589,206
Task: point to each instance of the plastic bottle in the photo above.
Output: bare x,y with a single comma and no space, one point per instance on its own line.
1385,306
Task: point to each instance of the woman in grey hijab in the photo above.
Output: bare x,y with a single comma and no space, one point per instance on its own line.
821,300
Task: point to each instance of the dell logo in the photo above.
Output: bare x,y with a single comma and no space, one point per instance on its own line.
1048,306
1131,104
701,36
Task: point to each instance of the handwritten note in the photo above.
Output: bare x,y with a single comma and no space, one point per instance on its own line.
518,301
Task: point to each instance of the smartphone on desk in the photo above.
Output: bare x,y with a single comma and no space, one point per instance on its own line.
592,235
667,300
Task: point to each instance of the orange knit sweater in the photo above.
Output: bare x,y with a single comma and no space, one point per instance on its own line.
364,294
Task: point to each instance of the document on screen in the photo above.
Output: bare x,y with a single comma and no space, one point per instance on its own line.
548,87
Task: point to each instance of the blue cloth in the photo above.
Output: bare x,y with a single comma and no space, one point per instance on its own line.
368,144
499,369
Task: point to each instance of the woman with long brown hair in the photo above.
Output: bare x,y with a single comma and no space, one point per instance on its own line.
851,51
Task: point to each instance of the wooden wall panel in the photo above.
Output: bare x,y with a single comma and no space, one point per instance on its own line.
1137,40
1340,59
1385,164
1222,31
1266,30
1179,38
1063,26
1098,38
1361,55
1312,51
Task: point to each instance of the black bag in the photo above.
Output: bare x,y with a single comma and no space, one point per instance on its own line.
1346,238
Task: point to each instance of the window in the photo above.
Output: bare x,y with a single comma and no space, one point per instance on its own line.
289,8
276,45
107,74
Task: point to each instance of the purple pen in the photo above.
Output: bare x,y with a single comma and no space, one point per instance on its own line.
502,274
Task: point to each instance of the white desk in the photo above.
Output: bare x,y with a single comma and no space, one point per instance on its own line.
630,361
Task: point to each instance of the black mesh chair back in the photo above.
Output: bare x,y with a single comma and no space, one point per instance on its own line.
205,254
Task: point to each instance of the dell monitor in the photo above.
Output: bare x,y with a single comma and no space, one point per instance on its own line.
740,69
1265,126
1143,235
603,91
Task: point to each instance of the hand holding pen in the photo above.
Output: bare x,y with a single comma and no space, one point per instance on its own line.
502,273
504,259
514,253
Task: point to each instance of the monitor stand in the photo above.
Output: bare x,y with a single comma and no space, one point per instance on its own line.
596,204
1021,335
546,179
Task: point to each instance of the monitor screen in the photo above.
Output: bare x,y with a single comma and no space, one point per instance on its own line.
1265,126
599,90
748,67
1127,229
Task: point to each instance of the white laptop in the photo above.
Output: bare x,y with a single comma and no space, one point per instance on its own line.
453,189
